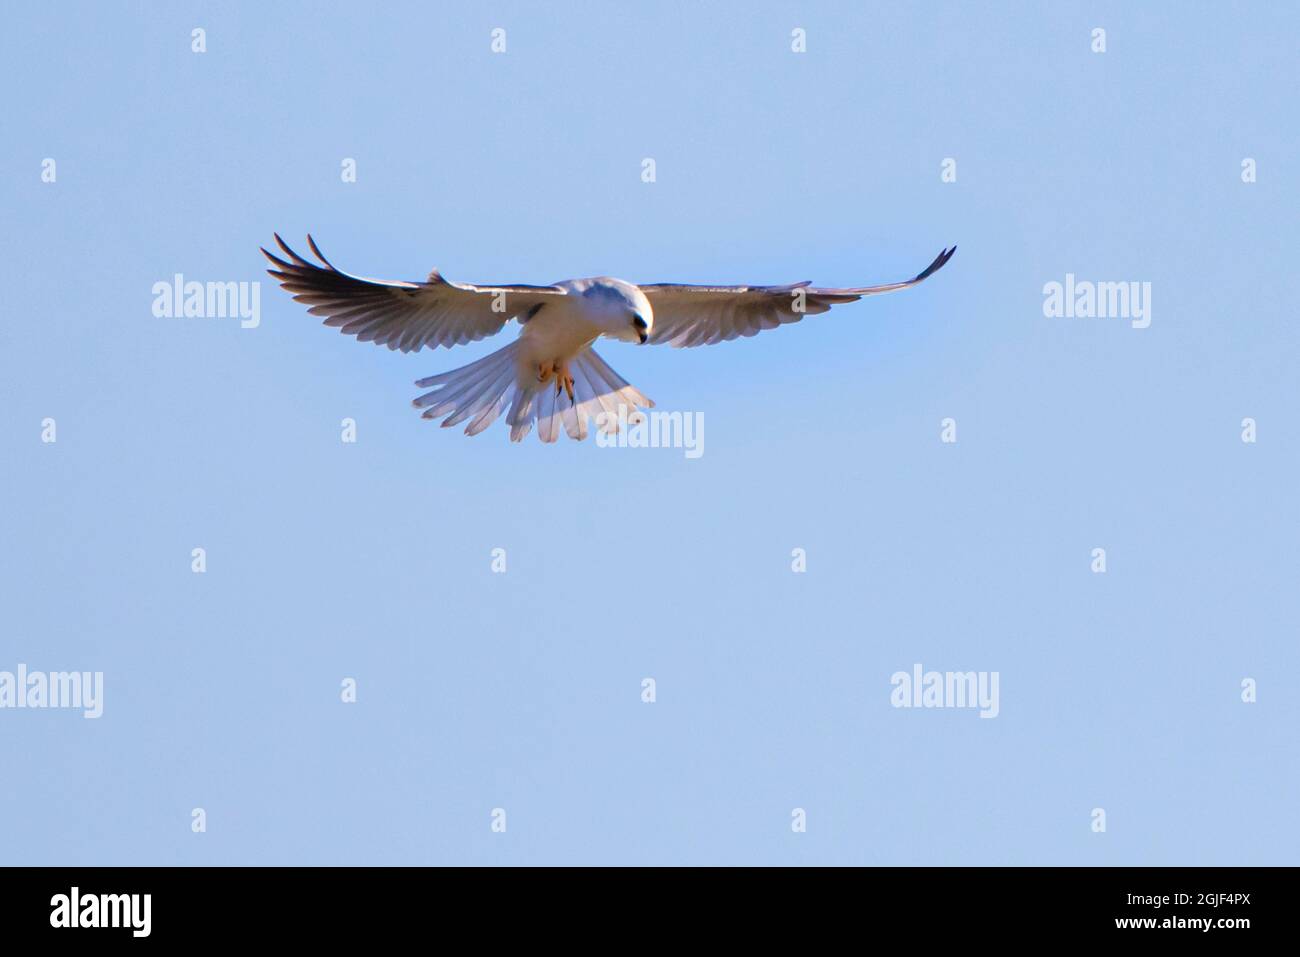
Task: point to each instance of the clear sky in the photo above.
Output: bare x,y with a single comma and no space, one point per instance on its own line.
371,560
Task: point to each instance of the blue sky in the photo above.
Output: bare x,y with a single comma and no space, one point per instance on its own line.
372,560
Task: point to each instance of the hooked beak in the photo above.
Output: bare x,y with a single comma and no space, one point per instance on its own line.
641,334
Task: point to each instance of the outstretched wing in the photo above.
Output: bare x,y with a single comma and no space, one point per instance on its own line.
404,315
703,315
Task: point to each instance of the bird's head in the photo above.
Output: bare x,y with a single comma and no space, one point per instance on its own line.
622,310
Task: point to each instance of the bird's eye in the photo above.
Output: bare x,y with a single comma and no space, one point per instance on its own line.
638,320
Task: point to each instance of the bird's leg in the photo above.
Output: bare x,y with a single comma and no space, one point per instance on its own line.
545,370
563,379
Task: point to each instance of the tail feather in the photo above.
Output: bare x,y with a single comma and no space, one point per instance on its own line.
598,400
521,414
488,415
486,398
490,359
454,391
470,388
611,388
481,391
548,416
575,425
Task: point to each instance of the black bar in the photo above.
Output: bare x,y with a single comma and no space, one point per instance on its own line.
369,905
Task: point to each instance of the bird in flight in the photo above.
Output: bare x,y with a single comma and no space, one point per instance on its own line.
550,374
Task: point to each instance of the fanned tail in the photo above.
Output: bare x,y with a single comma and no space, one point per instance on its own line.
478,391
481,390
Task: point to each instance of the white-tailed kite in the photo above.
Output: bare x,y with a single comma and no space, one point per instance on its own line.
550,374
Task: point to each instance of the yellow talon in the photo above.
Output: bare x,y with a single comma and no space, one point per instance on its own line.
560,371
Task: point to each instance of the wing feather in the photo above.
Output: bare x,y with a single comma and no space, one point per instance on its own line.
686,315
402,315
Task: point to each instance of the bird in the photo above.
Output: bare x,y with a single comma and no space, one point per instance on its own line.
550,375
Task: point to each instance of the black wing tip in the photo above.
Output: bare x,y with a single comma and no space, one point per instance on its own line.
276,260
939,262
298,260
315,251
